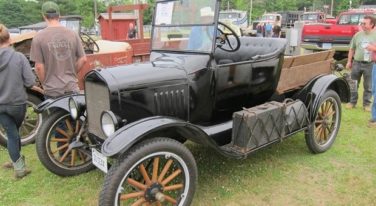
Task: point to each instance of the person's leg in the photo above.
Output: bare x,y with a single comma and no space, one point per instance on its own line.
355,75
367,85
11,130
374,92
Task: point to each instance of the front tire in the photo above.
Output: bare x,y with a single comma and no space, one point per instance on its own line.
157,171
31,124
58,149
322,132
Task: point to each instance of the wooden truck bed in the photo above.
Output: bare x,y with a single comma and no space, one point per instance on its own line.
297,71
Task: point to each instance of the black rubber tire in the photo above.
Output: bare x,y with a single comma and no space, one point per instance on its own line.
143,151
34,119
332,98
44,150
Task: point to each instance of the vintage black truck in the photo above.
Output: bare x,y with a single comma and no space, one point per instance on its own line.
237,95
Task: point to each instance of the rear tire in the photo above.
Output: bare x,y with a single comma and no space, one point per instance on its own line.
31,124
322,132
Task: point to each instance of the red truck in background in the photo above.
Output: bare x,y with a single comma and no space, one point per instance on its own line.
324,36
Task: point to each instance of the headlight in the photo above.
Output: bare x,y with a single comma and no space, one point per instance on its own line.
109,123
73,108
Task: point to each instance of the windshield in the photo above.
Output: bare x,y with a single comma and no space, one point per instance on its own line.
73,24
232,15
268,17
352,19
309,17
184,25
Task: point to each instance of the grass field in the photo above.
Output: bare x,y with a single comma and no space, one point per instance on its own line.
283,174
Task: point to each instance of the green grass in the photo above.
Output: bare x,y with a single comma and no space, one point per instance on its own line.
283,174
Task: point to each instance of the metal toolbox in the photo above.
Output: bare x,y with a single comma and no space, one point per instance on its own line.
257,126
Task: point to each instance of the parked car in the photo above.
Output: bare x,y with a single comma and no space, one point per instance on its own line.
236,96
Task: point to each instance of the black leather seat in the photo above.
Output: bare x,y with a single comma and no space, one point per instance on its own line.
251,48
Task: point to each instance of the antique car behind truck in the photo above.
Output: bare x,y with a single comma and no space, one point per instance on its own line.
236,95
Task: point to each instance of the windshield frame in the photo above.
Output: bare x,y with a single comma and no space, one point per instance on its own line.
213,24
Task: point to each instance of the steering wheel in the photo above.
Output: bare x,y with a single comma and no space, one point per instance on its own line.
223,39
89,44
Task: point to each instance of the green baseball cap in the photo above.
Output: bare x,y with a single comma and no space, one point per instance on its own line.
50,8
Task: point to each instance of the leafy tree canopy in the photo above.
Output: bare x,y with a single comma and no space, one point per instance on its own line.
17,13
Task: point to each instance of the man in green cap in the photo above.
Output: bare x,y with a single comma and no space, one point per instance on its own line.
58,55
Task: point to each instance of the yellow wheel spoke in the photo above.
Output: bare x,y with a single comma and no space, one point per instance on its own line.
131,195
173,187
139,202
164,171
64,155
73,158
136,184
170,199
171,177
155,169
63,132
81,155
145,175
60,148
59,140
69,126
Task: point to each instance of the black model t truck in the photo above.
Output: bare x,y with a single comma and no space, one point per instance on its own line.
236,95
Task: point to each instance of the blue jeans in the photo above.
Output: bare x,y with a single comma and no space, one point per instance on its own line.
374,92
11,117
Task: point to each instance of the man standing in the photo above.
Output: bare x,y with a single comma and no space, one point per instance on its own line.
362,64
132,32
58,55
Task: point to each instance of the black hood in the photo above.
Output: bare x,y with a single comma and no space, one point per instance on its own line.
5,57
137,76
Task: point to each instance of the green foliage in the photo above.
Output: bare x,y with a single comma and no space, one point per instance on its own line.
17,13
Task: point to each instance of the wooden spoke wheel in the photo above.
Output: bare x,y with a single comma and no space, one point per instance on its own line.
59,148
31,124
322,132
159,171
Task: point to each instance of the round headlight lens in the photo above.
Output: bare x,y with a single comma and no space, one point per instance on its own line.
73,108
108,122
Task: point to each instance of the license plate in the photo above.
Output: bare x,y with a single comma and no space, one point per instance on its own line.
326,45
99,160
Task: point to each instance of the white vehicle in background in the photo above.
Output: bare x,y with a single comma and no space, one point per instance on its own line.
236,19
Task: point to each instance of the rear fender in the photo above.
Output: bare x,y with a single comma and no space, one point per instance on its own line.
318,87
61,103
124,138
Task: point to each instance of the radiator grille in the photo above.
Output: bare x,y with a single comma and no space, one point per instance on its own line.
97,101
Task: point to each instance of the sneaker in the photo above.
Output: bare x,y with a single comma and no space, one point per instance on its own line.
350,106
367,108
372,123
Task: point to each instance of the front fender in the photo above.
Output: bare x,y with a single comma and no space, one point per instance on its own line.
131,133
61,102
322,84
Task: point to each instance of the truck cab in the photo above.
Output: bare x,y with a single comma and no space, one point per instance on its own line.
324,36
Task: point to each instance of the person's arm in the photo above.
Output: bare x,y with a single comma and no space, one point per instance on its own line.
351,54
371,47
80,63
39,69
349,58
